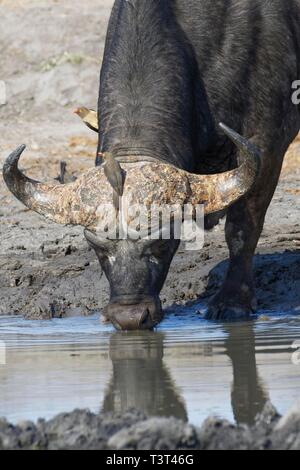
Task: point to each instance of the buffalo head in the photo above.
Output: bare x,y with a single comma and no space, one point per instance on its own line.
136,267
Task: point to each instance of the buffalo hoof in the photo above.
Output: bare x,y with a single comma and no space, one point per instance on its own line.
223,310
142,316
232,303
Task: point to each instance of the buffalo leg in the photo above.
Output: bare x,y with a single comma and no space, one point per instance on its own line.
244,225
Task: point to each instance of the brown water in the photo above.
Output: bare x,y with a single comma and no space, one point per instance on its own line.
188,368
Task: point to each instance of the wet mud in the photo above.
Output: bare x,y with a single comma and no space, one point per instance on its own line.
82,429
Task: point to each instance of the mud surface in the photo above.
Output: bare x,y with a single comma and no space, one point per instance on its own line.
82,429
50,66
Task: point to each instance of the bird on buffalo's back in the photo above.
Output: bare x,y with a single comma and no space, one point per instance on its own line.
112,168
115,176
89,117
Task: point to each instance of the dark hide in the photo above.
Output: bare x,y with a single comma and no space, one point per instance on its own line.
172,70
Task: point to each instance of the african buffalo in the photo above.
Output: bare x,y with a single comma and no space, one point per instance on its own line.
172,71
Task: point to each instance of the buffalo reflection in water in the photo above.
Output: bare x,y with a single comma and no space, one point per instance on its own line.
141,380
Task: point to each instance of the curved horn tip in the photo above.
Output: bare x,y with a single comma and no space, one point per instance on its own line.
240,141
222,126
228,131
14,157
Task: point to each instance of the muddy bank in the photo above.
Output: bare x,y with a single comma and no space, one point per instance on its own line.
82,429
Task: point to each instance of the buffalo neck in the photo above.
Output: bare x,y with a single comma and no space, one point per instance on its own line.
149,87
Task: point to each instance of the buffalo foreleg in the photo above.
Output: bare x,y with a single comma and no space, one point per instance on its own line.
244,225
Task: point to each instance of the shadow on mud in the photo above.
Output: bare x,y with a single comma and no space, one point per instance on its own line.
277,281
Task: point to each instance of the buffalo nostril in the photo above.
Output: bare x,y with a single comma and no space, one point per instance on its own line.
144,318
117,325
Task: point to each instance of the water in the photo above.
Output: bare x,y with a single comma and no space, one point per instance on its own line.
188,368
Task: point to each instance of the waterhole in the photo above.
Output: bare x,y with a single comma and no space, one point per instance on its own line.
188,368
